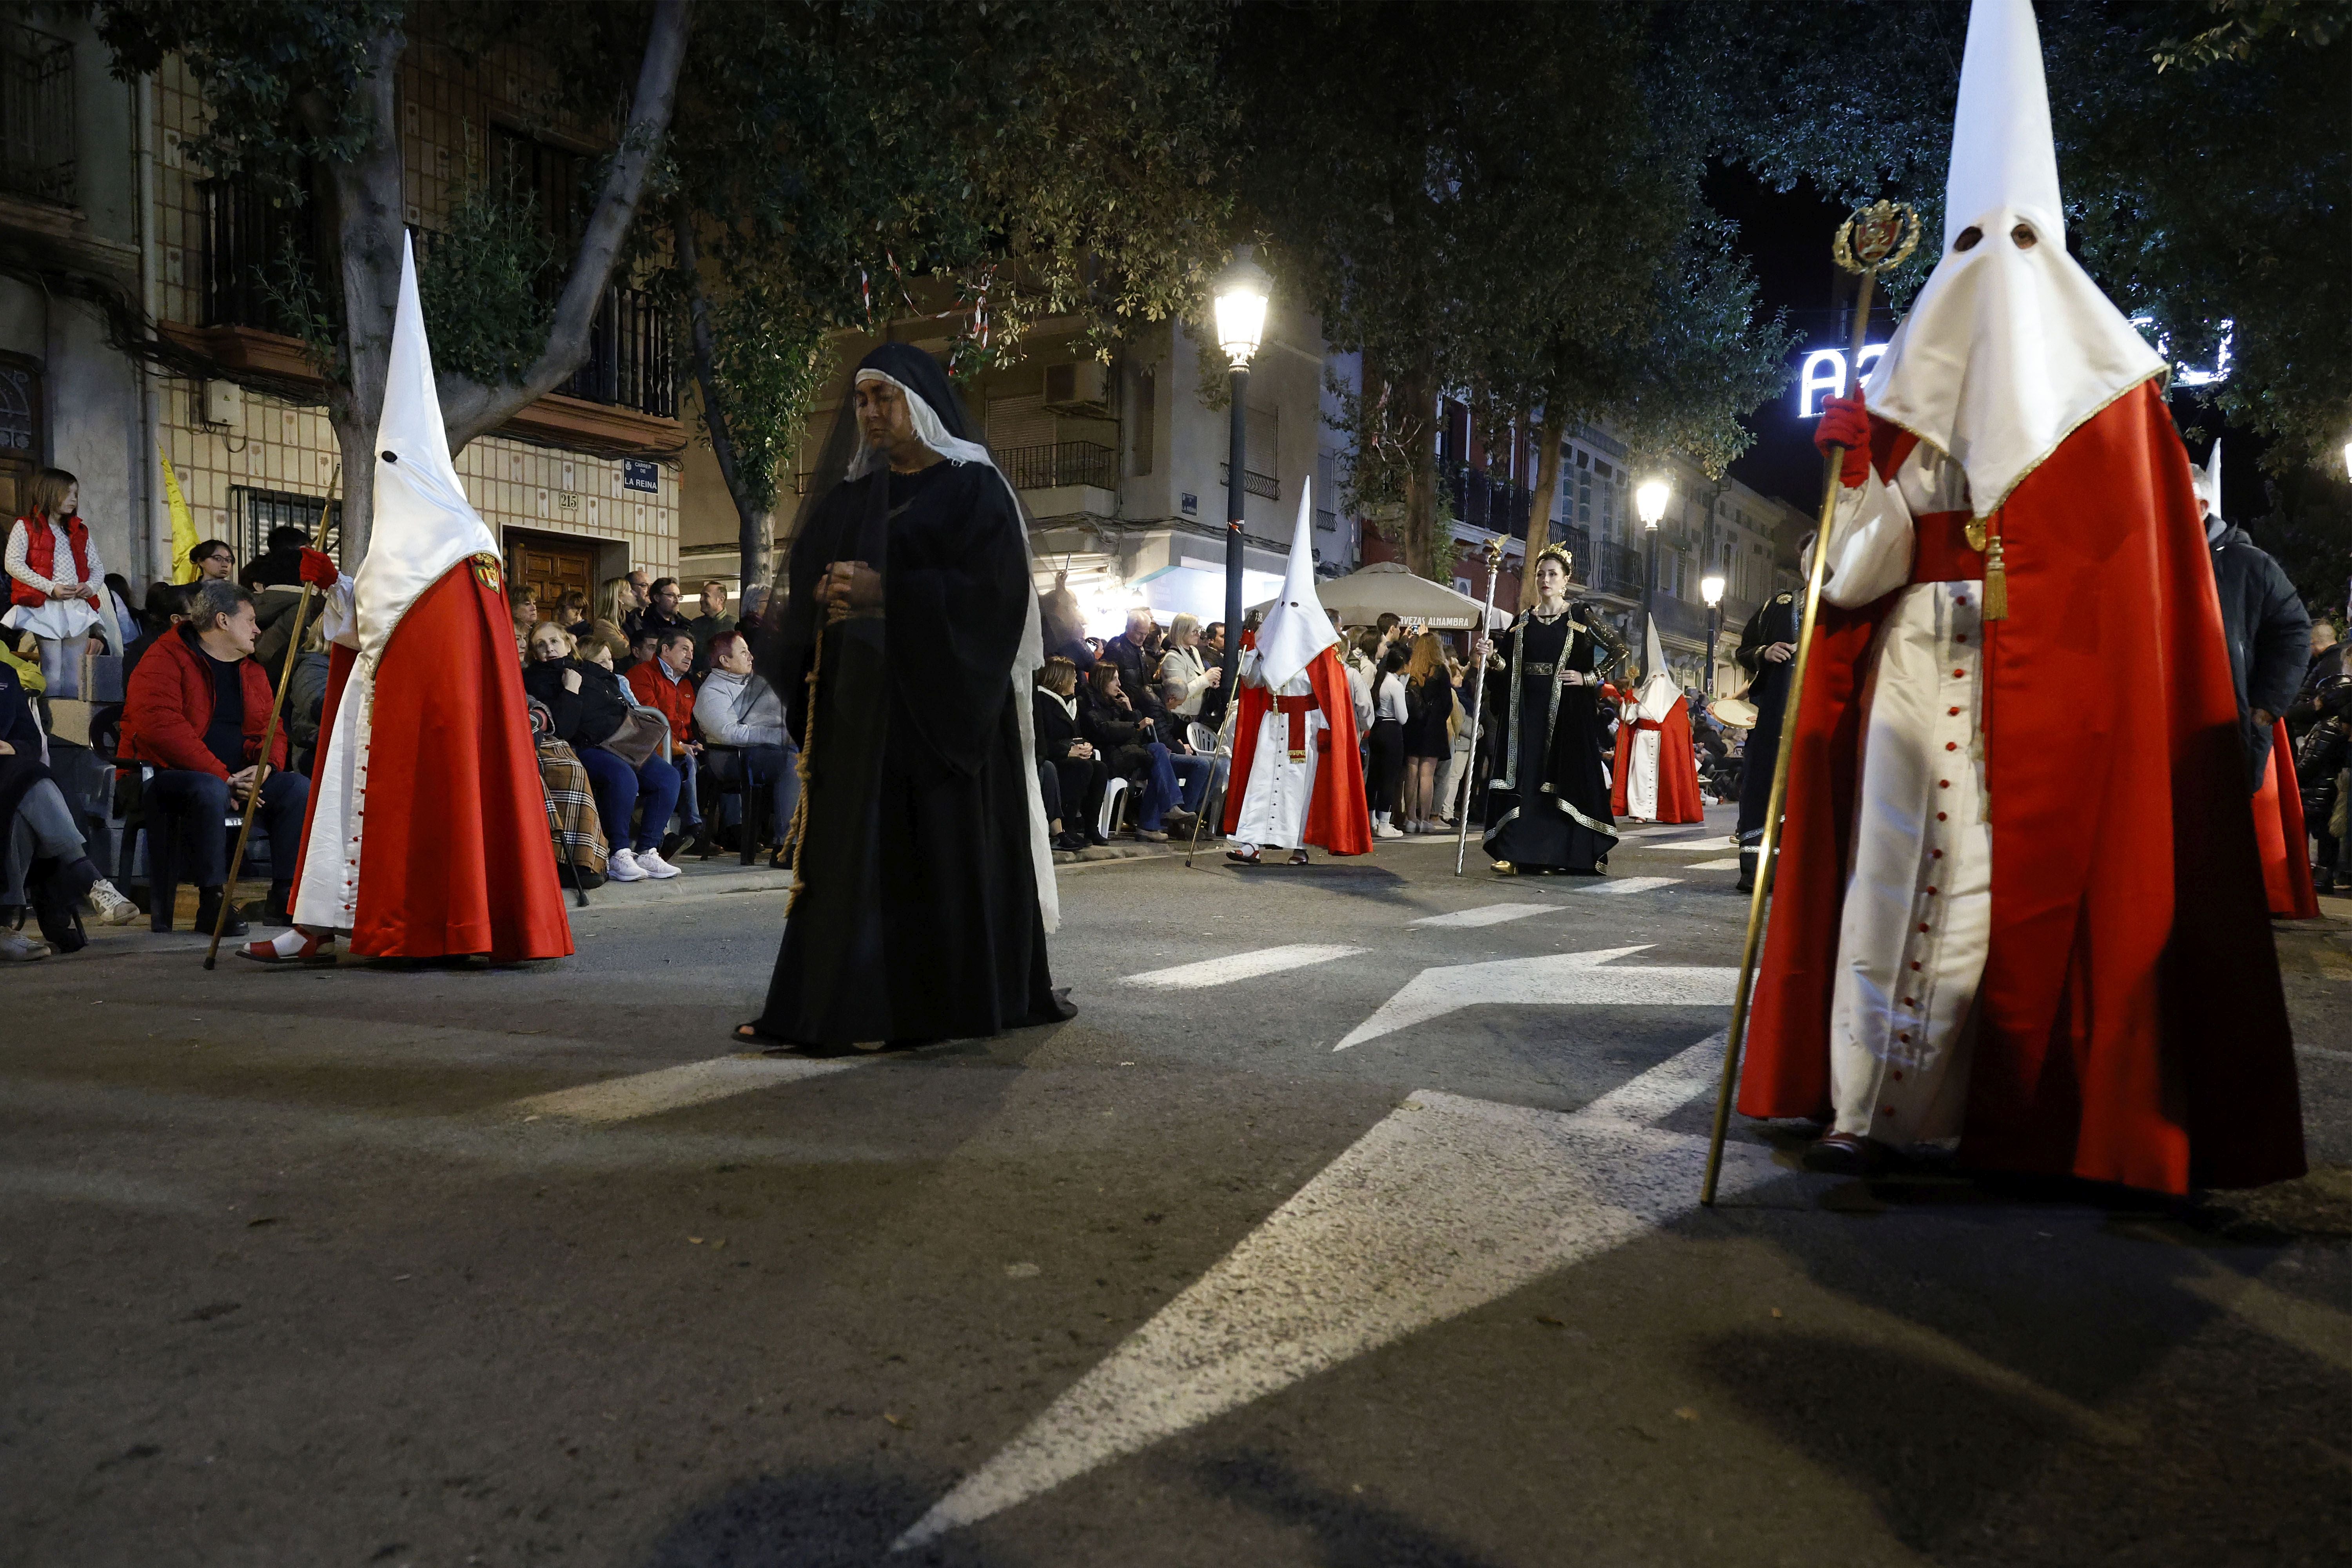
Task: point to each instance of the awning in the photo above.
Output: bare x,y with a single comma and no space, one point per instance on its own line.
1386,587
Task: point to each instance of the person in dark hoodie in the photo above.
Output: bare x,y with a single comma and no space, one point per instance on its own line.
44,864
2262,620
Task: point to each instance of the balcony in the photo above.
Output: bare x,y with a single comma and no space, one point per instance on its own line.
1253,482
1605,567
36,115
629,363
1055,464
1481,500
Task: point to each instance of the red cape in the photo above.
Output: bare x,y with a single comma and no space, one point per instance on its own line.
1337,820
1678,797
2279,831
457,858
2131,1023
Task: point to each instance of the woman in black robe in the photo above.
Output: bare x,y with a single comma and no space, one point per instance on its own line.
915,914
1547,807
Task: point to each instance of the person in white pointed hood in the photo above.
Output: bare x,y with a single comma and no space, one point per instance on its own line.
2019,906
1656,775
1294,749
428,832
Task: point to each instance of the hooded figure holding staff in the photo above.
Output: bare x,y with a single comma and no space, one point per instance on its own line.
906,649
2006,917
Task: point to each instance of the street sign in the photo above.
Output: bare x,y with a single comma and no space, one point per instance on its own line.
639,474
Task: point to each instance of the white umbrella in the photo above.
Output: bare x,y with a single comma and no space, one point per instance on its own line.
1386,587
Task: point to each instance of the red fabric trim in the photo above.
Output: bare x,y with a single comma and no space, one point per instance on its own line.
1338,819
2131,1026
2279,832
41,555
1678,797
454,856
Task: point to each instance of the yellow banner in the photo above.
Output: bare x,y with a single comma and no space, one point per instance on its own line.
183,527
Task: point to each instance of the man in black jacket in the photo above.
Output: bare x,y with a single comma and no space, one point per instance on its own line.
2262,620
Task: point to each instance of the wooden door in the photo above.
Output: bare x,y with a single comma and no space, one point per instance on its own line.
552,563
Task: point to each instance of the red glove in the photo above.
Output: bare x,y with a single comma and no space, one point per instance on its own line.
319,568
1844,423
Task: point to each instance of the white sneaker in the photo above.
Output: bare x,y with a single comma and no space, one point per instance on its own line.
110,908
16,947
623,868
650,862
1385,830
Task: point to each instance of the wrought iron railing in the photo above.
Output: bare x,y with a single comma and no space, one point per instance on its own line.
1052,464
629,363
37,114
1253,482
1482,500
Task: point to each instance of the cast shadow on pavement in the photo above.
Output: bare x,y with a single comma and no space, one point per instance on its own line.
825,1517
1349,1529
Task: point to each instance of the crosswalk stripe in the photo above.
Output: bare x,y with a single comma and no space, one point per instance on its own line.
674,1088
1730,863
1484,915
1690,845
1241,966
1624,884
1445,1204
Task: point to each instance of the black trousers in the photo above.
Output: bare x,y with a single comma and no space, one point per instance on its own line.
193,804
1081,782
1384,768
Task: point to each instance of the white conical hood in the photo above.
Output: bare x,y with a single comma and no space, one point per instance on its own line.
423,525
1295,629
1659,692
2007,349
2208,479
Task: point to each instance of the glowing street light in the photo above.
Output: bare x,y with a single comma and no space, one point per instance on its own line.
1710,588
1650,500
1241,293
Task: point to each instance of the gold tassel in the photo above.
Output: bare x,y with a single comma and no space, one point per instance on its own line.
1995,584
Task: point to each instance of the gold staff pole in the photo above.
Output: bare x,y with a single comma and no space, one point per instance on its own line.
1477,698
270,731
1224,754
1876,236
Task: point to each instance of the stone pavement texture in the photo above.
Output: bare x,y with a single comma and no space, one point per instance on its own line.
460,1264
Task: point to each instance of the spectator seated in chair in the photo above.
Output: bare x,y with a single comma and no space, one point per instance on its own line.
195,710
594,715
739,709
48,866
708,626
1112,726
662,683
1080,774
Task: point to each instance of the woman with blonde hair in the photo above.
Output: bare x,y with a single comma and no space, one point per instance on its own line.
1428,732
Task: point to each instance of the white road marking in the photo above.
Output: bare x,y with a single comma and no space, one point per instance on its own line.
1558,979
1624,884
1729,864
1447,1204
1484,915
1719,841
1241,966
2324,1054
674,1088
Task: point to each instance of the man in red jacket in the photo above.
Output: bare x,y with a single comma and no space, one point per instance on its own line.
661,682
195,708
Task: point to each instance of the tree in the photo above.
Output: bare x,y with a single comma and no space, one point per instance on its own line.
984,165
301,96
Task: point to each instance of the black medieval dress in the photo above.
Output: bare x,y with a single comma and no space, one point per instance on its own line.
916,917
1768,689
1547,807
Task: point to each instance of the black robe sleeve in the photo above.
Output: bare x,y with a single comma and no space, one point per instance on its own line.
1752,640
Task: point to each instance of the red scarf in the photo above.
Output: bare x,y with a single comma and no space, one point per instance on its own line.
41,555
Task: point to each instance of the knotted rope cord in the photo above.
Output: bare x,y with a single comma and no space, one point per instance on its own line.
801,767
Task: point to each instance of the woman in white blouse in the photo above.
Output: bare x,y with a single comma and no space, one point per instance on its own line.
56,588
1183,662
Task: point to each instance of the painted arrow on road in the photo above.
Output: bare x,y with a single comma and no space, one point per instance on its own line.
1557,980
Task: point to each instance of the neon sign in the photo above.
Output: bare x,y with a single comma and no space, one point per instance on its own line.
1824,372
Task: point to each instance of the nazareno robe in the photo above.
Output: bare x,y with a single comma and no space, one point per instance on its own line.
1547,807
916,917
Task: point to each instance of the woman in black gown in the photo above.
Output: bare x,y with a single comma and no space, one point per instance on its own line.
1547,807
917,913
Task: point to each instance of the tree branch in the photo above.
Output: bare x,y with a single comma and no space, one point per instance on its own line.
469,408
753,522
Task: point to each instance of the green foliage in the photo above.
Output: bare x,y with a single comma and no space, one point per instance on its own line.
488,282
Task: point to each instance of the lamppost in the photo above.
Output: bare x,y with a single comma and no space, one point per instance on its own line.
1650,501
1241,294
1710,588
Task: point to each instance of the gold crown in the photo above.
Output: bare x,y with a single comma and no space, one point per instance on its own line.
1560,553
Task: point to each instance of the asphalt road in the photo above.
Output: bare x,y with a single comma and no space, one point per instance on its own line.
1351,1222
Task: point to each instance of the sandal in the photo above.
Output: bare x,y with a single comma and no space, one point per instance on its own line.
313,952
1841,1154
1298,858
1239,859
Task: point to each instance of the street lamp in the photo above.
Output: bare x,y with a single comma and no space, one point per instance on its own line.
1650,502
1710,588
1239,293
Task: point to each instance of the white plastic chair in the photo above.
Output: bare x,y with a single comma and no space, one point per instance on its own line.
1111,793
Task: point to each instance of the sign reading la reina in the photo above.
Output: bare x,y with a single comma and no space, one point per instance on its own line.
1823,372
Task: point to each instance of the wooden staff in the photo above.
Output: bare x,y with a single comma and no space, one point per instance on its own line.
270,731
1876,236
1477,698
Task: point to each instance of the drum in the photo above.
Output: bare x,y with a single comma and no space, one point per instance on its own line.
1733,712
